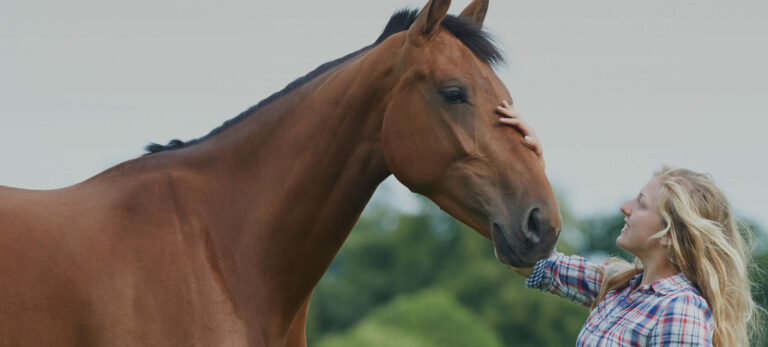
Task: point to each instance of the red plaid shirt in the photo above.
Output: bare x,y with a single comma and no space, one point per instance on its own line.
668,312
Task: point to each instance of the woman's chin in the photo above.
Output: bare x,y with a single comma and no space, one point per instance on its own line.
620,241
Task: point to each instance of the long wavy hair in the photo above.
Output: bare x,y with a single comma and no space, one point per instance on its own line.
709,246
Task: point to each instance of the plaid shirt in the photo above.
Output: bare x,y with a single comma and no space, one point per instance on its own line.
668,312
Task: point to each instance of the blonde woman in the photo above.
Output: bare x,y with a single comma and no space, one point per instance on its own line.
689,284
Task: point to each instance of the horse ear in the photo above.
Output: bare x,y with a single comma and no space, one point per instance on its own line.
476,11
428,21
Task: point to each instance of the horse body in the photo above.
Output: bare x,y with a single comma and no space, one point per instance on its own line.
222,242
170,248
91,267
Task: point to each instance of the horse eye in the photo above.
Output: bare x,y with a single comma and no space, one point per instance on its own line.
453,95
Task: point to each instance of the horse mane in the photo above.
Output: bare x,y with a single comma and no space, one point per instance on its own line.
480,42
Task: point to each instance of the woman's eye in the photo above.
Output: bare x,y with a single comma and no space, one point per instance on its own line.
453,95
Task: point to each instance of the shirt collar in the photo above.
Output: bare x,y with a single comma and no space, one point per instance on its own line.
665,285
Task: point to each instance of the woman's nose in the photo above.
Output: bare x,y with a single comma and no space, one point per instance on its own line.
624,209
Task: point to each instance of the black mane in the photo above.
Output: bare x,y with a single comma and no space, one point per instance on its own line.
477,40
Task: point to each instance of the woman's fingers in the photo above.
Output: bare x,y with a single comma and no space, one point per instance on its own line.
511,121
512,117
533,144
507,111
519,124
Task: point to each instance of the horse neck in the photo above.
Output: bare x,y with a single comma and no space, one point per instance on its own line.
292,179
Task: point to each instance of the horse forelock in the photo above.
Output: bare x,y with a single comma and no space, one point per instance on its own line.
479,41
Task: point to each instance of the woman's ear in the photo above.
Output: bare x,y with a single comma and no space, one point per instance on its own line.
665,241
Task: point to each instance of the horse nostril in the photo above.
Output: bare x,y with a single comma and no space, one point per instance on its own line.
533,225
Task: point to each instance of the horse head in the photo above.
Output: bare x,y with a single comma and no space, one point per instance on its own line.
441,136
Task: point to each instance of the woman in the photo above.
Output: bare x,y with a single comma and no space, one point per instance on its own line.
689,284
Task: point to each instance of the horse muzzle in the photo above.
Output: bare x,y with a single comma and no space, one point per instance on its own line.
523,244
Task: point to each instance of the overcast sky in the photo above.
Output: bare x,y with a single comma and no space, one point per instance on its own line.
614,88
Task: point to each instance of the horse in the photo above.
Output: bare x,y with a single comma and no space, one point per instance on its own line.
219,241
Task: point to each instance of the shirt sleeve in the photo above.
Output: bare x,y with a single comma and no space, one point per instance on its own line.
683,323
570,277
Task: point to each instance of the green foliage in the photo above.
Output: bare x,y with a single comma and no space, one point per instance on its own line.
429,318
759,277
373,335
599,234
375,265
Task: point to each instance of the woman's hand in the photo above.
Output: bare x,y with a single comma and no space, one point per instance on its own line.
513,118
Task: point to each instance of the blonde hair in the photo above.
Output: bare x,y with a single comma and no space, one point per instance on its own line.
708,247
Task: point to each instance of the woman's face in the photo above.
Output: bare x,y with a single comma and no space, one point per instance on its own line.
642,219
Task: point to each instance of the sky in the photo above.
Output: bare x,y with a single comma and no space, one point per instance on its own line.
614,89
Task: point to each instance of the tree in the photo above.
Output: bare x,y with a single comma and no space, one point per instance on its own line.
430,318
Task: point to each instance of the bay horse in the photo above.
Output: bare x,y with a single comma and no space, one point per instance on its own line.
220,241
